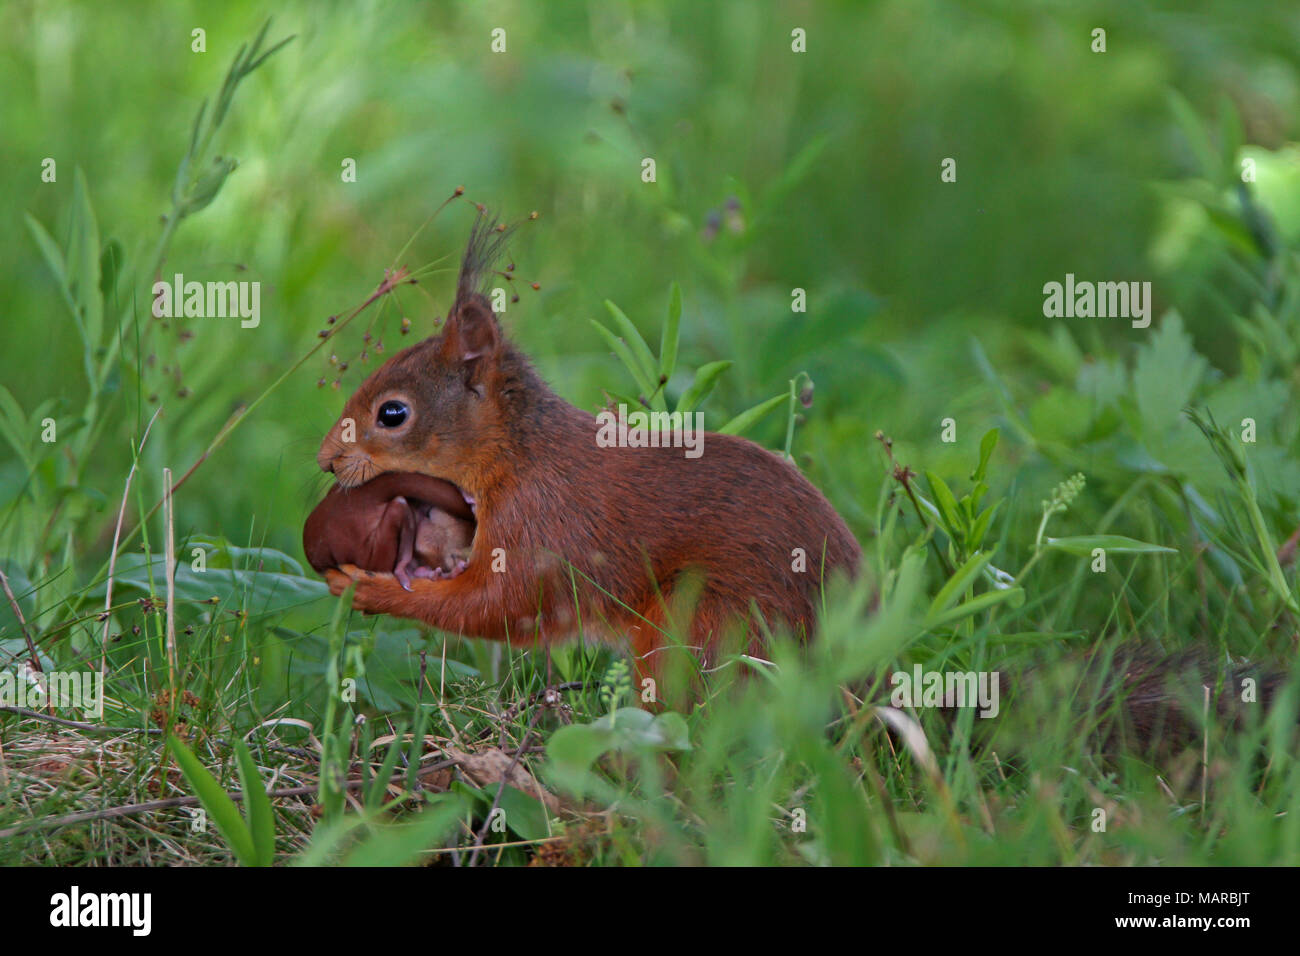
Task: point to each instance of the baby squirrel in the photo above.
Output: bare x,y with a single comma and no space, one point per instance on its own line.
388,523
570,536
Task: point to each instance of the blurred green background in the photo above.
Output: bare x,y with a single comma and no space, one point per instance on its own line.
776,170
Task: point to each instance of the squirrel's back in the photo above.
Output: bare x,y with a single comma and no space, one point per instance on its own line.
634,523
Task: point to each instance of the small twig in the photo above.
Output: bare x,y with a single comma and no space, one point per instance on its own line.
424,669
1205,751
22,622
170,509
514,762
77,724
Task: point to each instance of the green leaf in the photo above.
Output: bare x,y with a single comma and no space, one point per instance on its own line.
1167,373
1230,132
946,504
956,585
216,802
751,416
110,266
400,844
1083,545
981,525
987,444
14,427
206,188
374,796
1207,157
668,338
640,350
261,818
1013,596
261,592
706,377
799,167
577,746
53,257
525,815
621,349
417,748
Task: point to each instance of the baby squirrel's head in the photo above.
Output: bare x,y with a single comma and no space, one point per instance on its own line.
436,407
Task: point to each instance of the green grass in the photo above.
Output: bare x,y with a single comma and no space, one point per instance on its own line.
383,742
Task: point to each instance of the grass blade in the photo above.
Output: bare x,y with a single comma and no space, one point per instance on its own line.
216,802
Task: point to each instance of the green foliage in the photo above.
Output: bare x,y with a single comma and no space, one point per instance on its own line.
251,839
652,376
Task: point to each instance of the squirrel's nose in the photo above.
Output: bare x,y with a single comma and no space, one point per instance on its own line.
325,457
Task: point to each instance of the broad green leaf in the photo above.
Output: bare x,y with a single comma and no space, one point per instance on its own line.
1167,373
401,844
577,746
525,815
259,591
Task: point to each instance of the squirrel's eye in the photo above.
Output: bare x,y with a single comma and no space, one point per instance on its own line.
392,414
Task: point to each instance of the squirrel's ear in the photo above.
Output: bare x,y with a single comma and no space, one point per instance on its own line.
472,335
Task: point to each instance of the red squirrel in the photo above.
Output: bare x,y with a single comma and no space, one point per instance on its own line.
571,536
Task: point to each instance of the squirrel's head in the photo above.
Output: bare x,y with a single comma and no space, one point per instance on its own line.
438,407
431,408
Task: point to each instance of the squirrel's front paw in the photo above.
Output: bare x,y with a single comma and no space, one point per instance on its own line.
337,580
377,591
